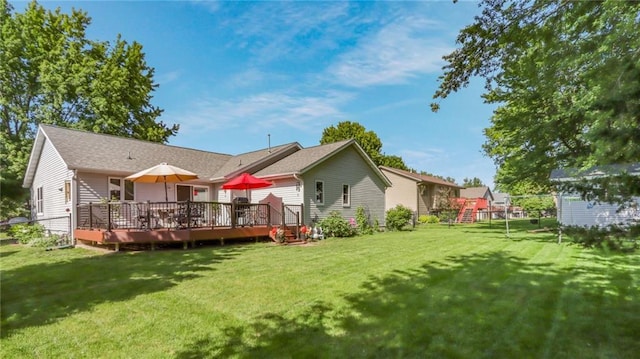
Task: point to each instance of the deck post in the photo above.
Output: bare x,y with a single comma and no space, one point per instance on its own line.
153,246
185,245
148,214
233,215
117,247
188,214
282,222
109,216
90,215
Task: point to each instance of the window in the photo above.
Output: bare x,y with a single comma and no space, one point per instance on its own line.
346,195
67,191
39,200
319,192
120,189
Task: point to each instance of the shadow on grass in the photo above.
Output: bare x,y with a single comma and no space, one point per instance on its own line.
490,305
39,294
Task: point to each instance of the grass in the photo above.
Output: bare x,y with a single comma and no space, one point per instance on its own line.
461,292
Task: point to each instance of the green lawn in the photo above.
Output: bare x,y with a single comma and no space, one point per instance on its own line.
460,292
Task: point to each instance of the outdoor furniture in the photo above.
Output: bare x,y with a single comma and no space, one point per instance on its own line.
140,214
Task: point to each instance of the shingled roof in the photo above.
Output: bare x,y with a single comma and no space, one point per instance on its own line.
476,192
307,158
100,153
420,177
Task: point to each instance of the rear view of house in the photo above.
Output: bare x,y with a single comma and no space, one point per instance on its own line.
70,171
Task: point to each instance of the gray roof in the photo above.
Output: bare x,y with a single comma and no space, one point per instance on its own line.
569,174
106,153
307,158
420,177
251,161
99,153
298,162
477,192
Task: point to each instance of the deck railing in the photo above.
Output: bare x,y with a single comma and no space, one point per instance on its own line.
172,215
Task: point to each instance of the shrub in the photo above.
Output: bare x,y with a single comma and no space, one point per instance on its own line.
612,237
25,232
362,220
45,241
336,226
398,217
424,219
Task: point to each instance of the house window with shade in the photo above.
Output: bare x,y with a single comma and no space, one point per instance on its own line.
346,195
120,189
319,192
39,200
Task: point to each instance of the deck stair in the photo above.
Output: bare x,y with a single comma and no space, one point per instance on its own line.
468,211
289,237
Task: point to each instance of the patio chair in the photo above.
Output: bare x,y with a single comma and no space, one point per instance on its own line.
140,214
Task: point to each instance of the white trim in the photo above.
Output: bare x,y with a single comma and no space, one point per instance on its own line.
322,193
348,203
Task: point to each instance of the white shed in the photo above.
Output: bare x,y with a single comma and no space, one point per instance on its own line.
574,211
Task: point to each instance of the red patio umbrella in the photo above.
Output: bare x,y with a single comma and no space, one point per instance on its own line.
246,182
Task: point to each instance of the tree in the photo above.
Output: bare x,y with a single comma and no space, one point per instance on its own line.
51,73
368,140
448,178
566,78
472,182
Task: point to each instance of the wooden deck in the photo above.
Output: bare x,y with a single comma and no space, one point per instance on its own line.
118,237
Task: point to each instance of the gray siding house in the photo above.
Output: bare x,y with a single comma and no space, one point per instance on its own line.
71,167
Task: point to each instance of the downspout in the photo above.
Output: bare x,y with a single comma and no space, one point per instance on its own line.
74,206
299,180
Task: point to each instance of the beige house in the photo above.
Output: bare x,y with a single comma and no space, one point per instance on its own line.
416,191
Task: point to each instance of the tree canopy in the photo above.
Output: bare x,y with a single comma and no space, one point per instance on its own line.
472,182
566,78
51,73
368,140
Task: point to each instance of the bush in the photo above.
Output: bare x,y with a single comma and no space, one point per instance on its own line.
50,241
612,237
362,220
424,219
336,226
398,217
25,233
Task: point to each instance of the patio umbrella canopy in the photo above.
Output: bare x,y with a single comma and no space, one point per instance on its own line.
246,182
162,173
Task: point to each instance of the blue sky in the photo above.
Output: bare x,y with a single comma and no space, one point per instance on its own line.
230,73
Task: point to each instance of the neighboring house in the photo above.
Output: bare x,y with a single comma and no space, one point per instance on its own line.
477,192
416,191
70,167
574,211
474,203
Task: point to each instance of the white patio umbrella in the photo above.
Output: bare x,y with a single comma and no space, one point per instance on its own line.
162,173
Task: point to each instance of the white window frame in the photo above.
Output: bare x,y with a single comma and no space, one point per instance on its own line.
346,203
123,190
319,196
40,200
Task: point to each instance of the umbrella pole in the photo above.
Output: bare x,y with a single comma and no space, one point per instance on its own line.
166,196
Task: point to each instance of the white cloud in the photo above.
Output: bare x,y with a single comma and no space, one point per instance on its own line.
398,52
264,111
287,30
